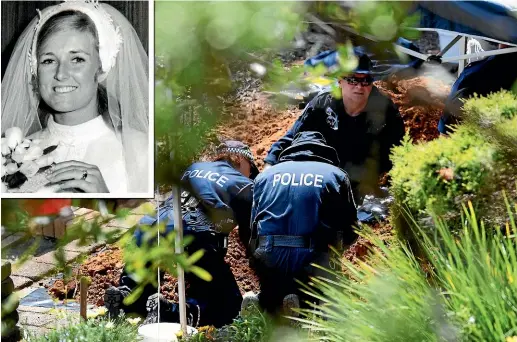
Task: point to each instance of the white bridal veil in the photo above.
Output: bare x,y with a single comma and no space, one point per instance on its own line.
125,77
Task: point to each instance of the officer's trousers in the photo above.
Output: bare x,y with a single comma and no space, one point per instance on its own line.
218,301
276,282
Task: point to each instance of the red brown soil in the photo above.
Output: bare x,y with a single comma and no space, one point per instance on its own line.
362,246
236,258
259,124
103,268
421,103
61,290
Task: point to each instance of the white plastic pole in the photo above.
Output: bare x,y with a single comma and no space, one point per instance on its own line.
458,58
178,228
481,54
411,52
463,49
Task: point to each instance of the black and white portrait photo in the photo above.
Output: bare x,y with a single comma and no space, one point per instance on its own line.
76,114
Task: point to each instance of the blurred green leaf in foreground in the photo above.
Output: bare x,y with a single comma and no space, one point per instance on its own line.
196,42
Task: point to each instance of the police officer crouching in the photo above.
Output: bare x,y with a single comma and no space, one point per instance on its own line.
301,205
217,198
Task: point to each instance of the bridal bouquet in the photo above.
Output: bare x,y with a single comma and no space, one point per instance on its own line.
23,160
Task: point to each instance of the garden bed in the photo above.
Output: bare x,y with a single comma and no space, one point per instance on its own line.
259,124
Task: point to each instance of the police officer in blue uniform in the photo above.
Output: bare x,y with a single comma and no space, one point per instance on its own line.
301,205
217,198
362,127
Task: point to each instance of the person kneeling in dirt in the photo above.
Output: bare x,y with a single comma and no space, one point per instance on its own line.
362,126
218,197
301,205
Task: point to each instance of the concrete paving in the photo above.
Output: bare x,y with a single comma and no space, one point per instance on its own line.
35,318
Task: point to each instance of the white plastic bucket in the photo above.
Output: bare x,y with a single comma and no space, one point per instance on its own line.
162,332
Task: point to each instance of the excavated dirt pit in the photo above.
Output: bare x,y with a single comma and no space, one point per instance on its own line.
257,123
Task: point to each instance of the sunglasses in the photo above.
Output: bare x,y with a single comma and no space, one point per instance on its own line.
365,82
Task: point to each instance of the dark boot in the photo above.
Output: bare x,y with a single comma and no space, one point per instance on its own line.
169,311
113,299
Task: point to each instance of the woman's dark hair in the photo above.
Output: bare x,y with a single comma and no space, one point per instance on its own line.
74,21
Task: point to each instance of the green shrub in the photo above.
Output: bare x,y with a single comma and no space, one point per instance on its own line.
433,176
466,294
257,326
92,330
495,108
475,163
496,116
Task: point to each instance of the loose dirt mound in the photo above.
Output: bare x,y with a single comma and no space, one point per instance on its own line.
259,125
362,246
421,104
104,268
236,258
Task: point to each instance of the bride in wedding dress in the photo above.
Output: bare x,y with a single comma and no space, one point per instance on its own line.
78,79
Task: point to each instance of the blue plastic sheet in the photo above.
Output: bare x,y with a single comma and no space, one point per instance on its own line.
495,19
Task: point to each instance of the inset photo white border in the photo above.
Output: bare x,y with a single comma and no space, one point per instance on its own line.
77,116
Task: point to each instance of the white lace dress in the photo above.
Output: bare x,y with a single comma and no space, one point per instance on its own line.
92,142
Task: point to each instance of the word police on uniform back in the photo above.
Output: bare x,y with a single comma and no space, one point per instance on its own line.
304,179
211,176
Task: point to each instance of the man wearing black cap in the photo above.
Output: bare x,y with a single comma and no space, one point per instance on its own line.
301,206
217,198
362,126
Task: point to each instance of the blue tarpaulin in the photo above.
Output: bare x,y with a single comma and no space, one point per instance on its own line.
380,67
494,20
490,19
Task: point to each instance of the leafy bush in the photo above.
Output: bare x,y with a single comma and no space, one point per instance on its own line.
433,176
493,109
474,164
196,43
467,292
496,115
92,330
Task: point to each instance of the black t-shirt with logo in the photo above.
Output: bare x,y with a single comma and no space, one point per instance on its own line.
368,136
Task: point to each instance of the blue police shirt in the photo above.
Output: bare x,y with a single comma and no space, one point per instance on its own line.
303,198
219,187
224,193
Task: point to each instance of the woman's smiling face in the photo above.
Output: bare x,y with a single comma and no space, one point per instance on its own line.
68,63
